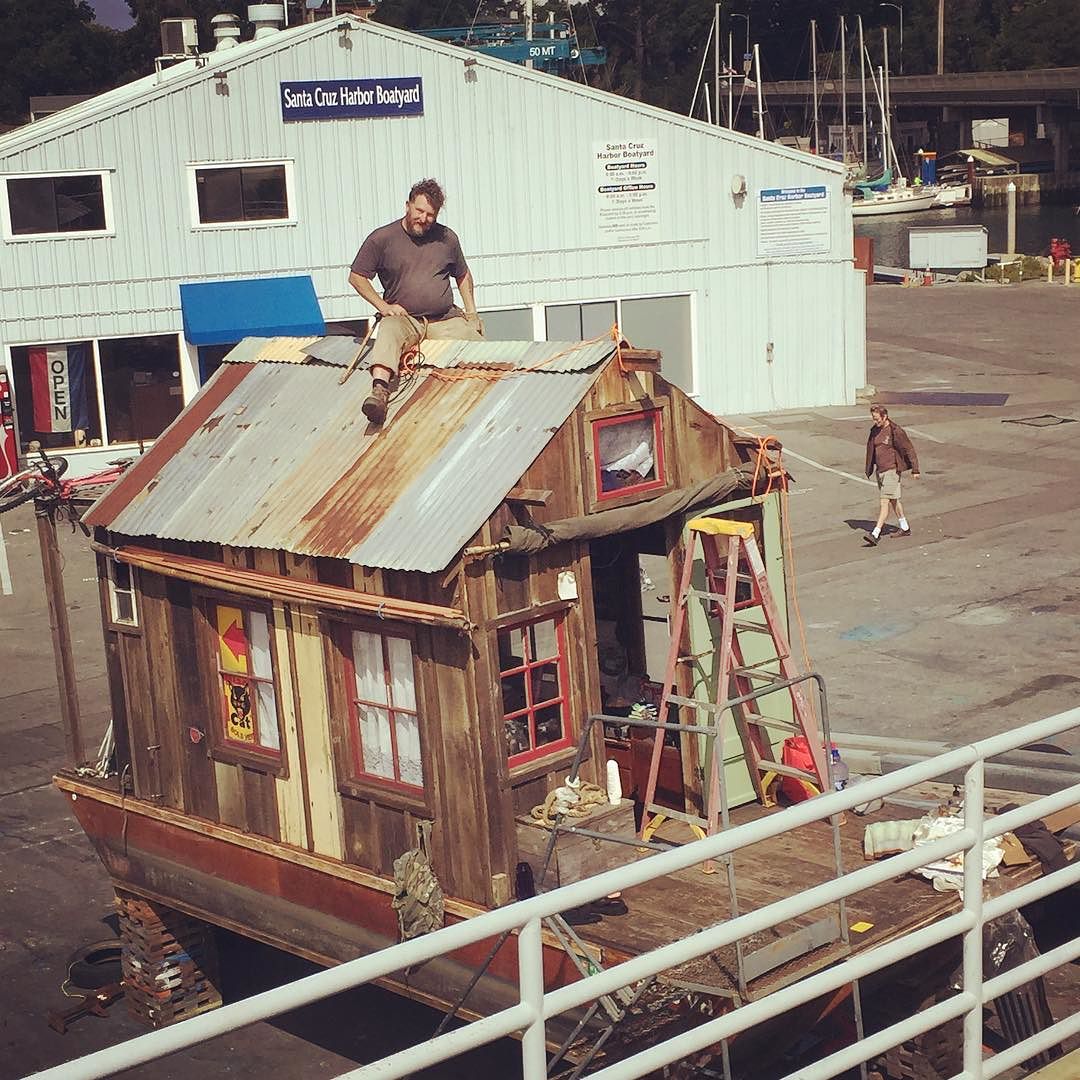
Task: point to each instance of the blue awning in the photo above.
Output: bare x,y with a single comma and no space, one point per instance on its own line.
224,312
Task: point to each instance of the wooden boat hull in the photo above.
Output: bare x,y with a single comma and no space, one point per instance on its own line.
284,898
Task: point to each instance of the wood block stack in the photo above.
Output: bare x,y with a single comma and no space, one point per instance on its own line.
169,962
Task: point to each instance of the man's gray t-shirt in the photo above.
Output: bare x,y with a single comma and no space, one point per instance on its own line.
414,271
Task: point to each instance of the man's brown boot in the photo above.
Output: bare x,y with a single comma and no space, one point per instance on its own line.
374,407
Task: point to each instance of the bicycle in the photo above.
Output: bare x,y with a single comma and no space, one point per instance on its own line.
39,480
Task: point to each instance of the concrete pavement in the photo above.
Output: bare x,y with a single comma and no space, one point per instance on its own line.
966,628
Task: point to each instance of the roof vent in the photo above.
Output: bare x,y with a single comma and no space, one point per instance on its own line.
179,37
226,31
266,18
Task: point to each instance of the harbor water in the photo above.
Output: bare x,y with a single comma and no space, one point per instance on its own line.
1035,225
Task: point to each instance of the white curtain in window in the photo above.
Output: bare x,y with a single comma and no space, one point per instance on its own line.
371,687
262,667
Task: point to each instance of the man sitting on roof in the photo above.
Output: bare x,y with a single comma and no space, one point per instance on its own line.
415,259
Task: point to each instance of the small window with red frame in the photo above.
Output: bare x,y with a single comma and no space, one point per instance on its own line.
629,454
246,680
384,730
532,676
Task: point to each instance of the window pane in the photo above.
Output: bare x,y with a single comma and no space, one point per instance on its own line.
370,673
140,380
626,453
511,648
549,725
597,319
513,693
259,636
33,206
375,740
544,683
56,395
563,322
80,206
408,742
517,735
402,690
233,651
239,723
263,188
513,325
121,574
123,607
663,322
543,644
219,195
267,716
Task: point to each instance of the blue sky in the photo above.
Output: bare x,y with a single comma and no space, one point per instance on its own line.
114,13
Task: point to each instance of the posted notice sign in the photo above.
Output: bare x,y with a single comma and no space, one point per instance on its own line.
793,221
626,191
350,99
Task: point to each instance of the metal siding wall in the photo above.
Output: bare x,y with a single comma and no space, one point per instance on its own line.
526,217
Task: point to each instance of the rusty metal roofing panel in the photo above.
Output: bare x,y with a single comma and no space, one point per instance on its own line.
287,461
553,356
278,350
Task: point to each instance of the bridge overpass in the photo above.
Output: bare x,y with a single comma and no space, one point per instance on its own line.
1044,97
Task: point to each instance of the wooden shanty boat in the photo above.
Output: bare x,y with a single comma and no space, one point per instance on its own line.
345,658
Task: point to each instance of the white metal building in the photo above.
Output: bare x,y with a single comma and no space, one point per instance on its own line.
121,216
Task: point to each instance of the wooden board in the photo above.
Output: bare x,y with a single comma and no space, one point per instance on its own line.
576,857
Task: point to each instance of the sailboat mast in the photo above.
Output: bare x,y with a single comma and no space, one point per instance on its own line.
716,61
760,103
843,91
730,82
862,80
813,56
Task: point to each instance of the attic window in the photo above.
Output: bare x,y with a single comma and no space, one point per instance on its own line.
628,451
122,609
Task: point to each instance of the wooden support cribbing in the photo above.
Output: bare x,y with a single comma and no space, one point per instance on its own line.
169,962
53,573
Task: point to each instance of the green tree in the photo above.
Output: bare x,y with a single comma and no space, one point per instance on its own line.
52,47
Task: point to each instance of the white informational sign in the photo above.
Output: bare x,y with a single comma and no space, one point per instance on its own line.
793,221
627,195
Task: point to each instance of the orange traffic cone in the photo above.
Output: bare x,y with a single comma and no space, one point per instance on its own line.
928,278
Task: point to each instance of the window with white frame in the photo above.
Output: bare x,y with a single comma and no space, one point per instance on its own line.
242,192
648,322
122,609
57,205
82,393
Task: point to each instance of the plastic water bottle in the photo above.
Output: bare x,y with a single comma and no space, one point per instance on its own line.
839,770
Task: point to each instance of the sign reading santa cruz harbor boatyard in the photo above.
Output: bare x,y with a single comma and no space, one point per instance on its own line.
349,99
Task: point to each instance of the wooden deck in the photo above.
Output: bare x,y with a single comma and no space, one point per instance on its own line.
679,905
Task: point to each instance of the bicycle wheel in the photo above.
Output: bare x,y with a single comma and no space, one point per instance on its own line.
9,502
58,465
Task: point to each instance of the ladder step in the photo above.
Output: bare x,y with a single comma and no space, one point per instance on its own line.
787,770
772,722
751,627
693,703
755,672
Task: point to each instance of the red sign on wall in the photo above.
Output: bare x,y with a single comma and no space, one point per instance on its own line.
9,455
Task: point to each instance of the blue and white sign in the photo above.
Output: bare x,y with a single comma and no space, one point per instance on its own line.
350,99
793,221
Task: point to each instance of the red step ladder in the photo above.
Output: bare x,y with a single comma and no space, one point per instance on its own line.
736,584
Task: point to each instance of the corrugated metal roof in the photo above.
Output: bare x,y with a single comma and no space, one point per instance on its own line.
550,356
288,462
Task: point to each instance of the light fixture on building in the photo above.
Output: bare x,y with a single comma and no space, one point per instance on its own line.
738,189
470,69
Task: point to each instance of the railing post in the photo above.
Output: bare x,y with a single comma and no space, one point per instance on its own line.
531,988
974,812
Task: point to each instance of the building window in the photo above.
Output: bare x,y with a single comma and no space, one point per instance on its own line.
532,677
384,722
241,192
122,609
140,386
508,324
628,451
647,322
62,205
245,680
56,401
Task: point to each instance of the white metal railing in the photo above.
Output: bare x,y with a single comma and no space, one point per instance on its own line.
527,1019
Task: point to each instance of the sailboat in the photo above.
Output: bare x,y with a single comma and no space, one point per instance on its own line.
888,194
